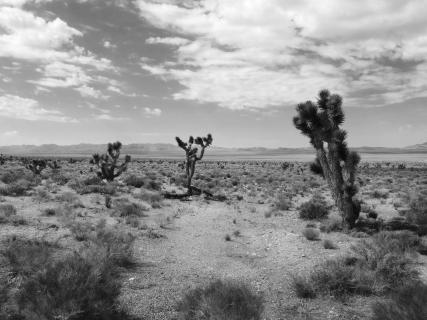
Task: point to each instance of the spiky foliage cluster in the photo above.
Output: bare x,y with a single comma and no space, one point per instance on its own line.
2,159
108,166
35,165
321,122
54,165
192,154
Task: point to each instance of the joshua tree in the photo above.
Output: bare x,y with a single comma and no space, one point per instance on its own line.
321,122
54,165
108,168
192,157
35,165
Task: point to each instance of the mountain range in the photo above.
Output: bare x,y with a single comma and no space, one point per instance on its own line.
165,150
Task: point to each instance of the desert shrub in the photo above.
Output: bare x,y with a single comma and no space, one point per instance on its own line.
12,176
82,231
117,245
27,256
49,212
328,244
283,202
153,185
41,194
66,214
380,194
315,208
311,234
221,300
135,181
60,178
76,287
92,180
418,210
331,225
6,210
407,302
133,221
342,276
151,197
303,287
17,188
81,186
373,266
70,198
125,208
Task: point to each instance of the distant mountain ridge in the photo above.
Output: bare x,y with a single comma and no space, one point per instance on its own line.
171,150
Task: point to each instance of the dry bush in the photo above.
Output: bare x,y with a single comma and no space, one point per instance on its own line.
283,202
311,234
221,300
331,225
7,210
70,198
80,285
315,208
152,197
303,287
125,208
328,244
380,194
407,302
60,178
418,210
373,266
135,181
27,256
92,185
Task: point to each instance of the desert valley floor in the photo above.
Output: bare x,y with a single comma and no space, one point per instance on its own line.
251,232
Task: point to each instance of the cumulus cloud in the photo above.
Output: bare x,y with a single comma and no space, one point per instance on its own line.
152,112
51,45
256,53
16,107
33,38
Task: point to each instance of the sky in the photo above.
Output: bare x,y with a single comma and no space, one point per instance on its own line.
144,71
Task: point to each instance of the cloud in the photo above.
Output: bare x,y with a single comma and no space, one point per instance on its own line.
10,133
254,54
173,41
50,44
16,107
152,112
32,38
109,117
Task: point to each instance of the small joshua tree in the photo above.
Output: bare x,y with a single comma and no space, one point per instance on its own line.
35,165
321,122
192,157
54,165
108,168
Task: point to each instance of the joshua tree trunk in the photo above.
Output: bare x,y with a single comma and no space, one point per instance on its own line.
320,122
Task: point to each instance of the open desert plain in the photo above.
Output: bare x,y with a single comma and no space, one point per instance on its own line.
213,160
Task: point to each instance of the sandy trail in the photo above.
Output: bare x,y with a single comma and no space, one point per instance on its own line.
194,251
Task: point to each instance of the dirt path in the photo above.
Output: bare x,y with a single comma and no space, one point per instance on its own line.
194,250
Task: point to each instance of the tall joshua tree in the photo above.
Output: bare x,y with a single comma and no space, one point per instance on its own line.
321,122
108,167
192,156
